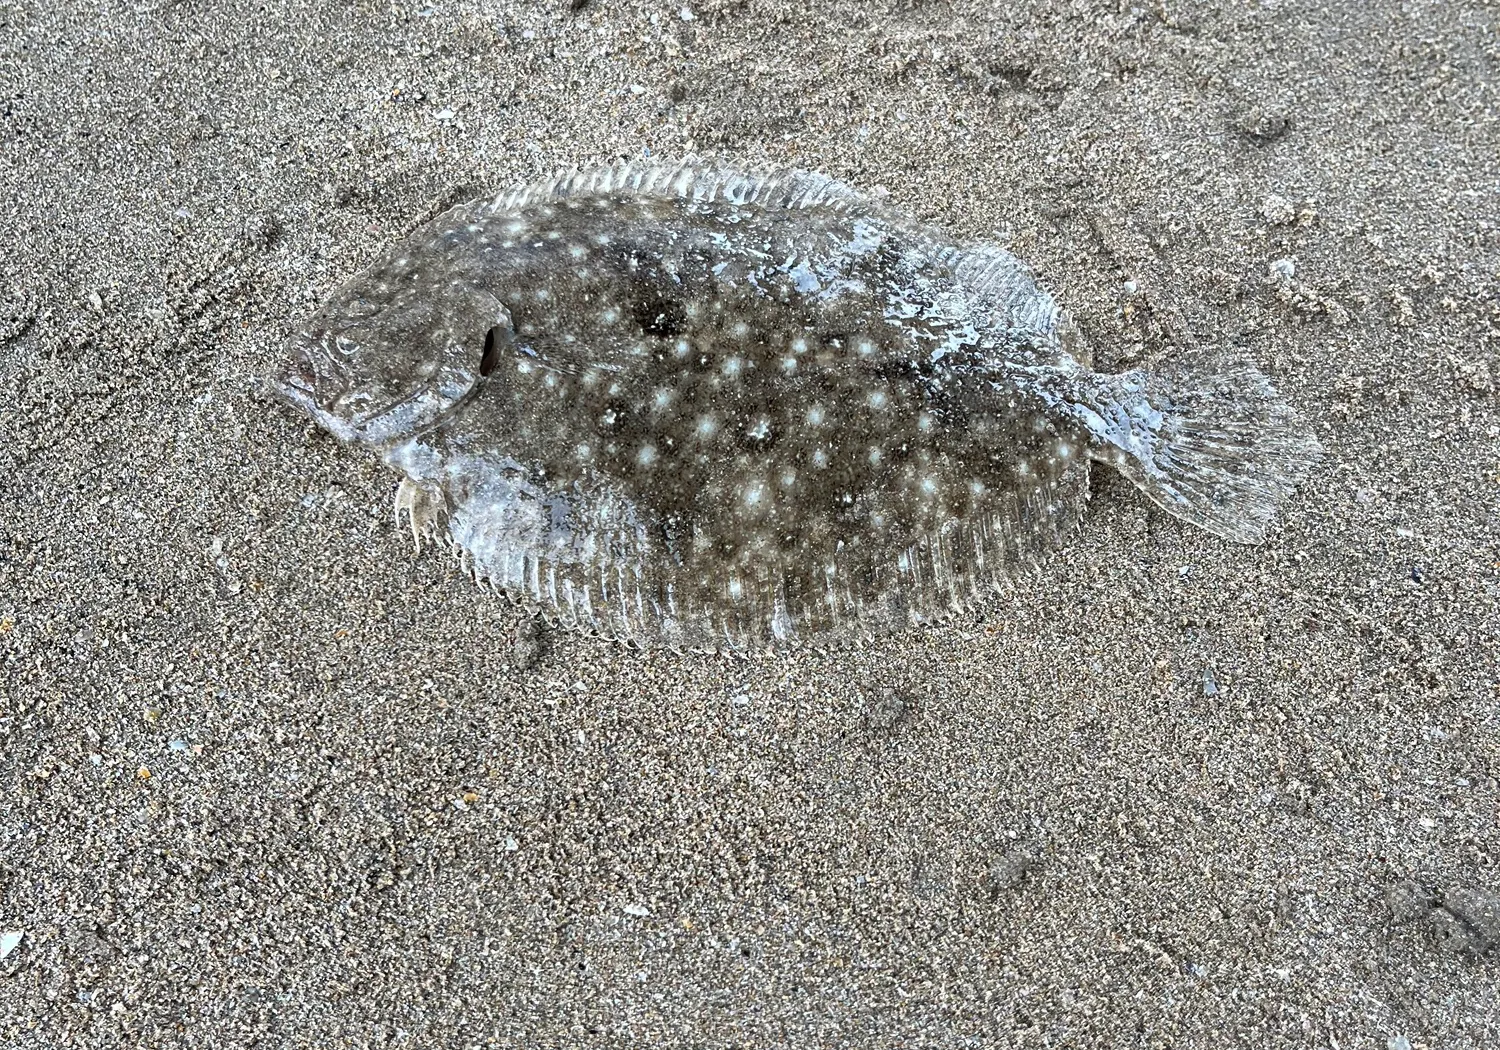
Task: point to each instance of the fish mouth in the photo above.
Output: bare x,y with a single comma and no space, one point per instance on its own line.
318,385
297,381
305,371
298,384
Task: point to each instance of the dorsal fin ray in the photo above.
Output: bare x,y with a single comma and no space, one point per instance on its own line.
695,179
997,281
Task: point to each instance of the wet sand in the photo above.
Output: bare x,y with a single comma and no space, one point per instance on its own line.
271,779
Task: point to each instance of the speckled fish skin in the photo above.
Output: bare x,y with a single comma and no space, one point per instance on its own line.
691,406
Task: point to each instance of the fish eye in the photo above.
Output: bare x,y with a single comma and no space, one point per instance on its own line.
491,355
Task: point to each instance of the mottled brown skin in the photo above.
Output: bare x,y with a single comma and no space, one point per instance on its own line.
704,417
771,408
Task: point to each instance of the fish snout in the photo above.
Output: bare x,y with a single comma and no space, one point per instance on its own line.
302,380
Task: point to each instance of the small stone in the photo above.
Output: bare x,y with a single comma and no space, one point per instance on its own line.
1478,912
529,644
10,940
686,14
1398,1042
640,911
260,230
883,713
1282,270
1452,932
1008,871
1475,375
1278,211
1262,124
1408,901
1210,684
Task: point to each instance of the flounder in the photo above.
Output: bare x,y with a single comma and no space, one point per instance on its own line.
690,406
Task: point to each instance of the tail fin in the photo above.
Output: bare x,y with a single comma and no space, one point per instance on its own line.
1222,451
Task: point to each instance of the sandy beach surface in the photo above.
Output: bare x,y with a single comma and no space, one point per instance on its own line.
270,779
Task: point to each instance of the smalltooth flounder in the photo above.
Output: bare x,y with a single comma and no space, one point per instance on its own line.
691,406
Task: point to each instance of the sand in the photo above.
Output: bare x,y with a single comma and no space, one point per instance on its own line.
272,780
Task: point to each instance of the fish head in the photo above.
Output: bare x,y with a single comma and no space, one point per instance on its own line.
392,355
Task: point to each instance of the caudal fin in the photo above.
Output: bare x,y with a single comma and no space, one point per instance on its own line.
1223,451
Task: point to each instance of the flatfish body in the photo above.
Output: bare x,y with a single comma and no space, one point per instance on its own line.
690,406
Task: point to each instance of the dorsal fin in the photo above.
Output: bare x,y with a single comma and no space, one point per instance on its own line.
694,179
998,281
